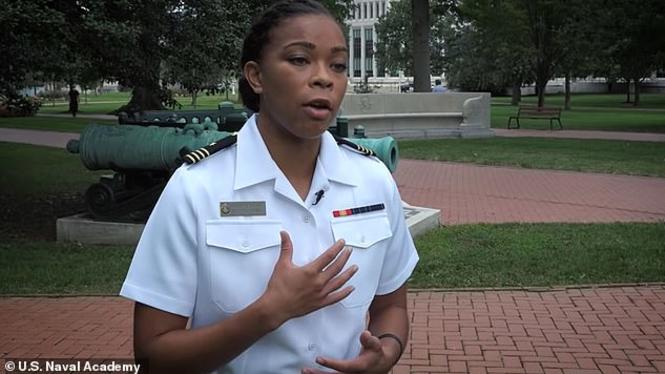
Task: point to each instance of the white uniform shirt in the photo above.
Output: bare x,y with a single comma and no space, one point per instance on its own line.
193,262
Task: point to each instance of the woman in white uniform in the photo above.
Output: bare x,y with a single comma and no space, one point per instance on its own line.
277,244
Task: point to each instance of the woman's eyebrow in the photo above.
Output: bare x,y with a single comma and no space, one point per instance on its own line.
311,46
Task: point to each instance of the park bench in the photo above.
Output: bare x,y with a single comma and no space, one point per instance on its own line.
535,112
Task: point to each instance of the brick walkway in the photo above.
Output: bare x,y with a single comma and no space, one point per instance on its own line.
599,330
471,194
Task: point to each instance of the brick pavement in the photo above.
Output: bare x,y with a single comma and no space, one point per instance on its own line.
594,330
471,194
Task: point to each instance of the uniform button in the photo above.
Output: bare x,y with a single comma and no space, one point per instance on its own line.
245,244
362,239
311,346
306,218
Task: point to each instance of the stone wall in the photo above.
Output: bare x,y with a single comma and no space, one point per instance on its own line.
420,115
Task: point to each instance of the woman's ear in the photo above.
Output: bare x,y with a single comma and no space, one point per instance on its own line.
252,72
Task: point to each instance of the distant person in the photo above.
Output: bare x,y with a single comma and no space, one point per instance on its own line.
438,87
73,102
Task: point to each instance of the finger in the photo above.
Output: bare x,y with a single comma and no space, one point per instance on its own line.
328,256
335,297
337,282
314,371
359,364
286,252
338,264
370,342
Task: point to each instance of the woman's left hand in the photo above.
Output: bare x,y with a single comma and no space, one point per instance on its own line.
373,358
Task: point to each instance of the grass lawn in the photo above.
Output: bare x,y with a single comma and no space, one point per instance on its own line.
46,267
614,101
591,112
508,255
38,185
603,156
106,103
540,255
50,123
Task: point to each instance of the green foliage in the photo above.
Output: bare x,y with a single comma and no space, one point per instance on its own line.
19,106
394,47
485,51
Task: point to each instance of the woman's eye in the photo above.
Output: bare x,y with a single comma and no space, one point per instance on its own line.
340,68
298,61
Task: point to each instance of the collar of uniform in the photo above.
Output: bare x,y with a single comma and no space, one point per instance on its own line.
253,162
251,150
335,162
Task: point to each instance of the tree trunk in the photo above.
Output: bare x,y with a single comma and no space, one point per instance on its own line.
567,92
421,50
540,88
516,94
638,83
143,98
628,91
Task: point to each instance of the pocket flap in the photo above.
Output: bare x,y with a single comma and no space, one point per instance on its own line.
362,232
243,236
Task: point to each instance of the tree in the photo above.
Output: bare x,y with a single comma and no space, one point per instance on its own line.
394,47
486,53
631,30
28,28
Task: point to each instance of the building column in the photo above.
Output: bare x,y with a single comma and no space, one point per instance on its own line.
376,72
362,53
350,69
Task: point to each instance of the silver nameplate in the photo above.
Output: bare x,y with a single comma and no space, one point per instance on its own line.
242,208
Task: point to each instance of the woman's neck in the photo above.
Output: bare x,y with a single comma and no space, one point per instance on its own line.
295,157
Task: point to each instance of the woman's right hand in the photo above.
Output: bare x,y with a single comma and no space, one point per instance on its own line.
294,291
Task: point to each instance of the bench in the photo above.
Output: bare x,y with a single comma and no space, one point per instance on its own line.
535,112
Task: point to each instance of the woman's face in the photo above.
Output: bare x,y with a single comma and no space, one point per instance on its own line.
301,77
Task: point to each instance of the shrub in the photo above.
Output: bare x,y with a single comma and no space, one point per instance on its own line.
19,106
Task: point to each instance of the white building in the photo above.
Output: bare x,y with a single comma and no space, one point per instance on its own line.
362,36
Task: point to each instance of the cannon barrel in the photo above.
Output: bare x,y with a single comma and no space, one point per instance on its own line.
385,149
130,147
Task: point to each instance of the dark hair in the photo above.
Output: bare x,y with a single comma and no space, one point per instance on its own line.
437,81
258,37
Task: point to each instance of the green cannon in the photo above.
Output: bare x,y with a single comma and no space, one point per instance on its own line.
143,158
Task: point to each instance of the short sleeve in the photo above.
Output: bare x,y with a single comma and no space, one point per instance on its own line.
401,257
163,272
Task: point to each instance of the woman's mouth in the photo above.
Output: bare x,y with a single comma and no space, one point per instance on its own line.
318,109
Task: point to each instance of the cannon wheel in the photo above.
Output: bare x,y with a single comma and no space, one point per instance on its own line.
105,203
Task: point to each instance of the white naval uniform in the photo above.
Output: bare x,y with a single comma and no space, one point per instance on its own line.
193,262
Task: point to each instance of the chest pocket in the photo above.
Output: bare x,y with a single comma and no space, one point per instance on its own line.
367,235
242,259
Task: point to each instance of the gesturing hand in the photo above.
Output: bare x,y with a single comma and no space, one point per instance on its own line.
373,358
294,291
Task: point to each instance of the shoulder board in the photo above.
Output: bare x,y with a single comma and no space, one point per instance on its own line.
210,149
356,147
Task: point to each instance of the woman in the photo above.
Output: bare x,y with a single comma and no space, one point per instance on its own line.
277,246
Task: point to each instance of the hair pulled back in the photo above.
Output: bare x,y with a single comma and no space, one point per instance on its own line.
258,37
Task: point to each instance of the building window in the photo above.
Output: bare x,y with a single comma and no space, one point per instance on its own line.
356,52
364,10
371,10
383,8
369,52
